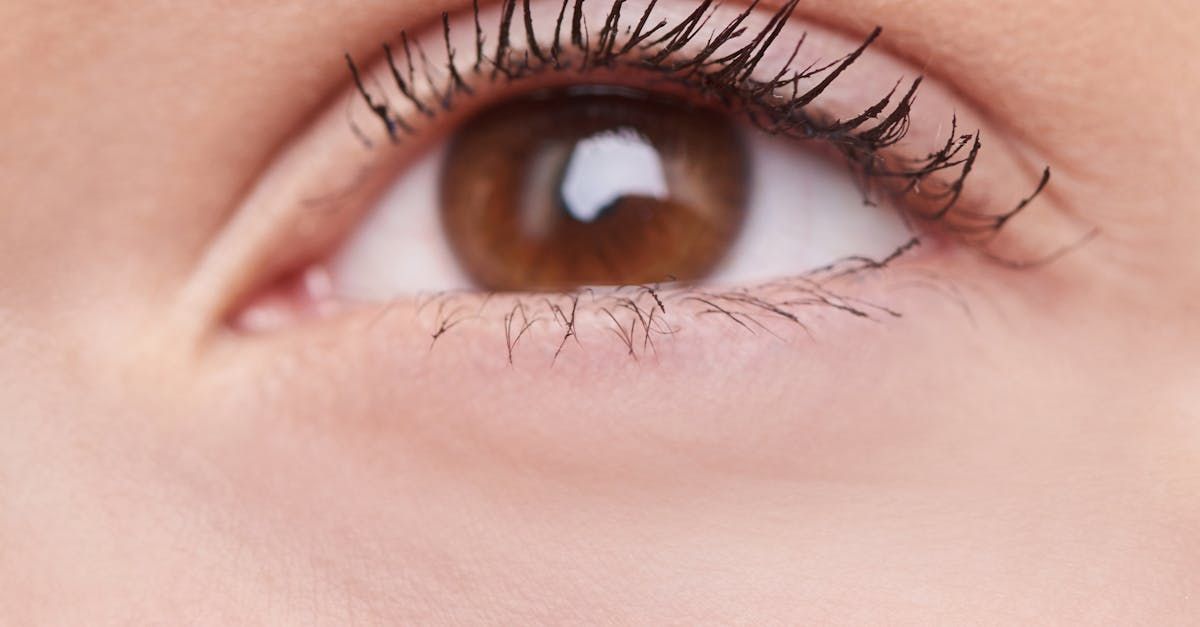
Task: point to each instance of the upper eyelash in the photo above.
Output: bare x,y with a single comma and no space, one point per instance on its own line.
864,140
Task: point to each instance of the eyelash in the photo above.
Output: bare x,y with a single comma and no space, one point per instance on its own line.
751,311
930,188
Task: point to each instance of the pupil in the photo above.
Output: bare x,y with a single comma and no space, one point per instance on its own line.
603,188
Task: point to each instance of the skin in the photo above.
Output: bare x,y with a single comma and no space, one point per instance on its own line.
1031,461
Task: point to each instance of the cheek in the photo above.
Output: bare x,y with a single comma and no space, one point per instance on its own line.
870,457
714,394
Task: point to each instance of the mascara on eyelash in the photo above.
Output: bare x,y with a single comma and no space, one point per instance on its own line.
933,183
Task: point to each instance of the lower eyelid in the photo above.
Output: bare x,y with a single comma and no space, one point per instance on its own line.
631,322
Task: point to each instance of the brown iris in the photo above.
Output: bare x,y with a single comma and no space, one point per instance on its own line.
592,188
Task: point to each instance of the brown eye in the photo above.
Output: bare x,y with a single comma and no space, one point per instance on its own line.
599,187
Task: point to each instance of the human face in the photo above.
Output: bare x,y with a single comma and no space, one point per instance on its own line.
1017,445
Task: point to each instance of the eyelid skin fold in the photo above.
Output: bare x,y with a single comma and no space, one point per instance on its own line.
327,178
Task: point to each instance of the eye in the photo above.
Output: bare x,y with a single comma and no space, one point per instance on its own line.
714,147
609,186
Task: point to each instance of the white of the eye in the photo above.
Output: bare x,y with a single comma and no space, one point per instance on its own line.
608,166
400,247
804,211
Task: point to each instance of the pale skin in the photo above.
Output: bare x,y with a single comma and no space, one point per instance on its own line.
1032,461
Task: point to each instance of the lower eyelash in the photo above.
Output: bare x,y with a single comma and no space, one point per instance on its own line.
638,316
930,187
